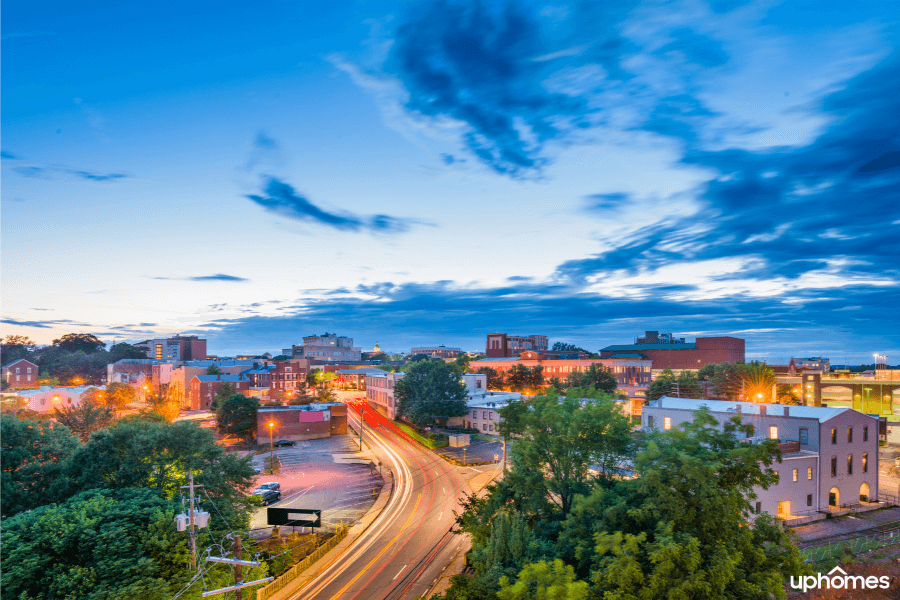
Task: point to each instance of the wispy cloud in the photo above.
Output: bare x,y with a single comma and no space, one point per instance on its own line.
41,172
216,277
281,199
8,155
40,324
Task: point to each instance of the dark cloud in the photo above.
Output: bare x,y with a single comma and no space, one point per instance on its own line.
890,160
38,172
8,155
216,277
40,324
281,199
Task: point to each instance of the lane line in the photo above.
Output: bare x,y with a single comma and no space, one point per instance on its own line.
400,571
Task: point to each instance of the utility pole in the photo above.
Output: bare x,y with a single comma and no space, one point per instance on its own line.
237,566
191,521
504,455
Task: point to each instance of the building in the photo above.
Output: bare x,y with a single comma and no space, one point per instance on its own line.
655,337
484,412
355,379
681,355
380,390
21,374
501,345
326,348
203,388
180,347
47,399
436,351
298,423
631,370
829,455
816,363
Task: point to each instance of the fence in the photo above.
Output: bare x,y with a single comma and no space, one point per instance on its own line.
854,546
295,571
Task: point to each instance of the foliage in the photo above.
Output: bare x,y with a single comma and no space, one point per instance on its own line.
237,415
34,469
667,384
301,399
432,440
122,350
431,391
751,382
119,395
99,544
166,404
325,377
84,342
311,377
280,357
544,581
495,380
562,438
326,395
597,376
85,419
213,370
520,378
224,391
785,394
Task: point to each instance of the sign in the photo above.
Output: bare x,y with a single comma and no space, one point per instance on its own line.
496,457
294,517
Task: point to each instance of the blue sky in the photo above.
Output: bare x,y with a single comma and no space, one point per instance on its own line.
429,172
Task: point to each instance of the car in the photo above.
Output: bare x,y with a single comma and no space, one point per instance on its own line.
268,496
284,443
269,485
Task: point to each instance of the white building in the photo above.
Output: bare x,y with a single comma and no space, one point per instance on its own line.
46,399
829,455
484,411
326,348
380,391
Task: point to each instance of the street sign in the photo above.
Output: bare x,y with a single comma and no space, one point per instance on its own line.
294,517
496,457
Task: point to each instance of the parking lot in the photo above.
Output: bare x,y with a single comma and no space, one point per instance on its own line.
328,475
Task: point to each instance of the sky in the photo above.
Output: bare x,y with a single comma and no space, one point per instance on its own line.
413,173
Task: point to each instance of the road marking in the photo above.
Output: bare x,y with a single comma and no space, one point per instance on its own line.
444,490
398,572
440,515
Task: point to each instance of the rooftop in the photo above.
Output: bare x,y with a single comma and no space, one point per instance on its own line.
223,377
821,413
642,347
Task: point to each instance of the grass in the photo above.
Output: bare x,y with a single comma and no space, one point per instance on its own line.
427,441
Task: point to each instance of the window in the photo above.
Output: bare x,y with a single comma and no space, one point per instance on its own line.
795,475
809,499
809,473
483,427
804,435
29,370
649,420
491,428
491,415
850,464
43,400
758,507
865,462
866,434
474,414
849,435
834,436
773,432
834,466
17,370
667,423
484,414
477,384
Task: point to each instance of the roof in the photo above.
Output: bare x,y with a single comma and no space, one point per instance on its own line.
513,358
260,370
628,355
495,400
220,363
55,390
223,377
820,413
641,347
363,371
20,360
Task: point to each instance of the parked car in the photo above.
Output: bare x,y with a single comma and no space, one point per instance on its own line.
268,496
284,443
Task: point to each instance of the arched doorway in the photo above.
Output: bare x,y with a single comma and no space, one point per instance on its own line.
864,492
834,497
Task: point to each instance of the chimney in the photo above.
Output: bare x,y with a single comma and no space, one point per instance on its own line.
787,411
737,408
218,377
762,410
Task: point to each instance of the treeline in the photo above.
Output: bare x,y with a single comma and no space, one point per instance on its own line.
74,358
591,510
520,378
751,382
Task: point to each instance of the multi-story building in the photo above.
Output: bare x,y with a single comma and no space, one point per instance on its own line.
355,379
436,351
297,423
203,388
655,337
21,374
815,363
829,455
501,345
180,347
680,355
326,348
380,391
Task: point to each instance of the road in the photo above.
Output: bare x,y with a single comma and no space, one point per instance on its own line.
405,549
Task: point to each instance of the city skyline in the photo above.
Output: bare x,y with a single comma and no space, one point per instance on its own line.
431,173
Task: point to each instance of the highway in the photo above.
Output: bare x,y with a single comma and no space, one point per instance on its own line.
404,550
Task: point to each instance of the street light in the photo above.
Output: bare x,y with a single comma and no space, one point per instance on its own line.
271,448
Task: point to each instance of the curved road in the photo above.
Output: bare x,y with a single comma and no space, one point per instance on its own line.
404,550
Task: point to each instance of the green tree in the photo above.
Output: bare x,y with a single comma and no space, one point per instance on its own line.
544,581
237,415
598,377
562,438
326,396
85,342
430,392
15,347
519,378
167,403
85,419
100,544
213,370
685,385
119,395
751,382
311,377
224,391
122,350
34,466
495,380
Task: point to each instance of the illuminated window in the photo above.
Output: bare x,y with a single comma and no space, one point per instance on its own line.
866,434
667,422
865,462
834,436
809,473
850,464
795,475
773,432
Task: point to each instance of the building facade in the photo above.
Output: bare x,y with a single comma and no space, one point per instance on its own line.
678,355
180,347
380,392
47,399
203,388
829,455
21,374
326,348
298,423
436,351
501,345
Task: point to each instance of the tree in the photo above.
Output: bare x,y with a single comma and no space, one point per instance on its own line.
786,394
667,384
224,391
311,377
86,418
598,377
122,350
326,396
15,347
99,544
35,454
86,342
166,404
430,392
237,415
544,581
119,395
213,370
495,380
19,340
561,438
751,382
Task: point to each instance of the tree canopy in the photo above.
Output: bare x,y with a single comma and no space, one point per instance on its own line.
119,395
85,342
85,419
750,382
685,385
237,415
431,391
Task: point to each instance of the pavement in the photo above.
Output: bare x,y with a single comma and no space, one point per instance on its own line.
478,451
849,523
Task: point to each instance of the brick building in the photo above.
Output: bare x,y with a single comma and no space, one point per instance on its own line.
180,347
679,355
326,348
298,423
203,388
501,345
436,351
21,374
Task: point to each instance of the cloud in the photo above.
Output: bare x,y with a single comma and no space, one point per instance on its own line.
890,160
281,199
40,324
216,277
41,172
8,155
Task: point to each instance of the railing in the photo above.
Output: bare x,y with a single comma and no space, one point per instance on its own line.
854,546
889,499
295,571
